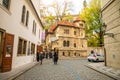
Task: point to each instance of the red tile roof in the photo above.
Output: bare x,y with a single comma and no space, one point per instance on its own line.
53,27
64,23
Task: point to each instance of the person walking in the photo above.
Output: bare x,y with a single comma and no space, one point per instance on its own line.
37,56
46,54
41,57
50,55
92,52
55,55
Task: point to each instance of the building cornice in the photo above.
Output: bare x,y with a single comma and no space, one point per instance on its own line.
31,3
106,5
71,37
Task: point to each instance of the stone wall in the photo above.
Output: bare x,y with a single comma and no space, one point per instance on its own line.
111,16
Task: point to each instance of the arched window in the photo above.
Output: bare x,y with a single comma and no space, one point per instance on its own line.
69,54
75,54
74,32
64,43
82,46
68,43
23,14
27,17
74,44
63,54
34,27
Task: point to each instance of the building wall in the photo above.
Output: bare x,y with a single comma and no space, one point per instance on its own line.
111,16
10,20
79,39
37,5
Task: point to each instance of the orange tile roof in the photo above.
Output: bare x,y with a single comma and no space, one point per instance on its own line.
53,27
64,23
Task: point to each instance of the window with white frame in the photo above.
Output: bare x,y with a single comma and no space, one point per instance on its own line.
27,18
23,14
22,44
32,48
29,51
34,27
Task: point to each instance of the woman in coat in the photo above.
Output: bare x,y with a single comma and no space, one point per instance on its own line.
37,56
55,55
41,57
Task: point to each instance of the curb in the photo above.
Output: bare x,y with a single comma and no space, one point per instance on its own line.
13,77
20,73
103,72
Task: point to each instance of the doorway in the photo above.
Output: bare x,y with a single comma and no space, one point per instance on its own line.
7,52
2,33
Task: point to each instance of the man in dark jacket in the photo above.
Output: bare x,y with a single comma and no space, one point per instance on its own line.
55,55
37,56
41,57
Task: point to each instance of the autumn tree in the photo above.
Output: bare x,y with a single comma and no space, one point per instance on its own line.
56,11
91,15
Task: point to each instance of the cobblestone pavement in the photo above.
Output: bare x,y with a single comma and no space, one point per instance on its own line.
64,70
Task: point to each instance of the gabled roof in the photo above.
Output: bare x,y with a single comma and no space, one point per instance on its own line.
65,23
61,23
33,7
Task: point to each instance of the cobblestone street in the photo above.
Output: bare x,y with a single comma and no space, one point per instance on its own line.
64,70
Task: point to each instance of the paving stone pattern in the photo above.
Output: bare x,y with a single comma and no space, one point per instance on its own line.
64,70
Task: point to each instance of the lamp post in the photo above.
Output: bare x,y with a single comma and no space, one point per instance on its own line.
104,28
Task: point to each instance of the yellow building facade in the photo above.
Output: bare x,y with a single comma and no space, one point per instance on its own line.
68,37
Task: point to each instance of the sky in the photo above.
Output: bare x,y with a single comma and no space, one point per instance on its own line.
78,4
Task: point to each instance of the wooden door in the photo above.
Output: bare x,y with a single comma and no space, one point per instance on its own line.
1,47
7,52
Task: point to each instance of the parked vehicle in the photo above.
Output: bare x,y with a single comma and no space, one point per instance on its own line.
96,57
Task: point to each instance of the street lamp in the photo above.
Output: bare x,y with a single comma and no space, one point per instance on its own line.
104,26
104,29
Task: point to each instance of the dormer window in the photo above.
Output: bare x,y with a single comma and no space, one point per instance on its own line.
81,24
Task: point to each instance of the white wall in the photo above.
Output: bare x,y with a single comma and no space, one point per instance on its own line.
11,22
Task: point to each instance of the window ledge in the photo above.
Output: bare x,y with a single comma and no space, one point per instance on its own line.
5,9
21,55
24,25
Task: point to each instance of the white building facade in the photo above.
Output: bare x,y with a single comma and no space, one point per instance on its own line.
20,32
